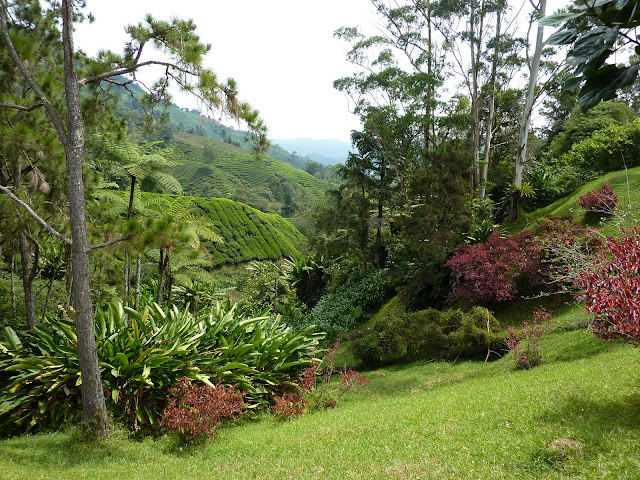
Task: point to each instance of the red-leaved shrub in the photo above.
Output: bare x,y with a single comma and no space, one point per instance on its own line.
289,404
525,347
316,386
195,410
603,201
611,288
488,271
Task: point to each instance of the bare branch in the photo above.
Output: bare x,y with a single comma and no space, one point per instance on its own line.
35,216
110,242
22,107
134,68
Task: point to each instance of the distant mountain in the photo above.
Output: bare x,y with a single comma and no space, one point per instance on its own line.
327,152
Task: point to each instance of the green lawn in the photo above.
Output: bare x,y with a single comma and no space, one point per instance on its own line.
576,416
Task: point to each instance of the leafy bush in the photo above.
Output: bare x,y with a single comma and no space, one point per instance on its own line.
338,312
488,271
140,360
611,288
323,393
289,404
194,411
494,271
427,334
612,148
525,347
600,202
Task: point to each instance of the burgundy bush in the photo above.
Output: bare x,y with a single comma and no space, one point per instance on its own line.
487,272
603,201
195,410
289,405
611,288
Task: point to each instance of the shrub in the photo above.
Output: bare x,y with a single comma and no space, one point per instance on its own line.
600,202
527,353
288,405
487,272
611,288
318,389
338,312
141,360
494,271
195,411
427,334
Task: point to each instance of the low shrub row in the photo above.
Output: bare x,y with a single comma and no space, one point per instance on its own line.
428,334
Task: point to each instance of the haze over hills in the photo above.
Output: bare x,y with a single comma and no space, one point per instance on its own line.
327,152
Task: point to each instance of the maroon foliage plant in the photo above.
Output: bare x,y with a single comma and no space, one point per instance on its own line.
603,201
195,410
611,288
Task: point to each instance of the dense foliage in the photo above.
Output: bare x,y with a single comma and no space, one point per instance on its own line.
428,334
489,271
340,311
142,355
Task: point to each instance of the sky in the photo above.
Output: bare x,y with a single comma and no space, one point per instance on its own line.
281,53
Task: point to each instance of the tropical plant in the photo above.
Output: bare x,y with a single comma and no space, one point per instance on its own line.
141,360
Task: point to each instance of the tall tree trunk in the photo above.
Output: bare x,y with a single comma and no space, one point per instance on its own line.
475,42
492,105
28,266
127,253
161,275
94,411
521,158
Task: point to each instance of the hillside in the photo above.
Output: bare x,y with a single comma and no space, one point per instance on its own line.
625,184
248,234
217,169
569,418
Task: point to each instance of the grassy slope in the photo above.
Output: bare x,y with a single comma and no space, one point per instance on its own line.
460,420
628,194
216,169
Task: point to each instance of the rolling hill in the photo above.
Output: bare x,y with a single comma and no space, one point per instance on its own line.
217,169
248,234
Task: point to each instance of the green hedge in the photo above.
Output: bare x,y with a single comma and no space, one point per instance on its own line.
427,334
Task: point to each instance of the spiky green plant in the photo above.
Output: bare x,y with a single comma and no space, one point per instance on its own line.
142,358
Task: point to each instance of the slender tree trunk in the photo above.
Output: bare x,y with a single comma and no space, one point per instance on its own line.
169,282
127,253
94,409
492,102
12,278
138,272
28,275
161,275
516,195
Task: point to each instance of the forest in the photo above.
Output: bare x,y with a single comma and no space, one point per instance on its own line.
458,299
